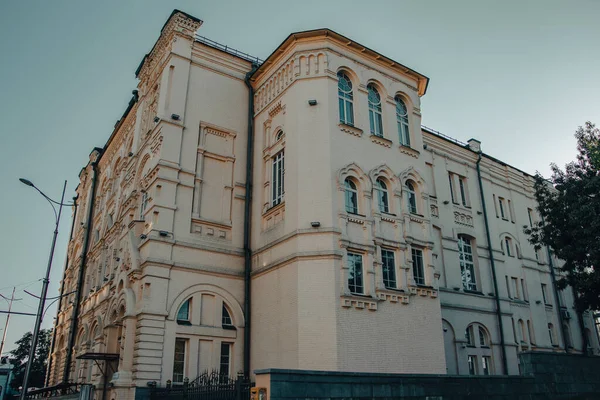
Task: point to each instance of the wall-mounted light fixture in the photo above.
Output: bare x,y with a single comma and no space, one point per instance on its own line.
163,233
315,224
176,117
156,119
312,102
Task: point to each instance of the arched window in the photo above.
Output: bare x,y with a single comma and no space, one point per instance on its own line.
402,121
483,338
183,315
412,197
375,120
467,266
279,136
351,197
382,196
226,321
345,99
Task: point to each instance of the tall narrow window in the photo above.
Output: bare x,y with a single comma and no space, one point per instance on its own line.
530,332
179,361
467,267
483,339
418,271
225,364
486,364
507,243
545,293
472,361
382,196
226,321
530,215
402,121
355,273
351,197
463,191
278,178
345,99
389,268
183,315
375,120
551,334
501,205
143,204
469,336
451,188
412,197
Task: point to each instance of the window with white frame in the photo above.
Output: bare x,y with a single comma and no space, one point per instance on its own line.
355,273
418,268
143,204
412,197
351,196
502,207
551,334
478,340
467,265
472,362
345,99
278,179
486,364
375,119
382,196
226,321
402,121
388,268
179,360
545,297
458,189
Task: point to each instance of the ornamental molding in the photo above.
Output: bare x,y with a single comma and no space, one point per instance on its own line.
350,129
381,141
393,298
370,305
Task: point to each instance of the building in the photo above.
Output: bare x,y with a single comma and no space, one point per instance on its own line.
363,245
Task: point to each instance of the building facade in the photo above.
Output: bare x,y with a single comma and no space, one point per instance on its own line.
342,236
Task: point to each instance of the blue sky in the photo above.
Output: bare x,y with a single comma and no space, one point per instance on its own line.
518,76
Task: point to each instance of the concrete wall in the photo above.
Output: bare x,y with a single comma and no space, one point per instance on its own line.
548,376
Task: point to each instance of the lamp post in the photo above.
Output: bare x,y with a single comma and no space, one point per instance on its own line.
46,280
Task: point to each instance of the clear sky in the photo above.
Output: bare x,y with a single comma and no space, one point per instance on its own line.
520,76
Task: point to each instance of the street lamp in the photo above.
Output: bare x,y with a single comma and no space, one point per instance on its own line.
46,280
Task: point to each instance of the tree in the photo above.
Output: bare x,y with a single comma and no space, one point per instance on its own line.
20,357
569,205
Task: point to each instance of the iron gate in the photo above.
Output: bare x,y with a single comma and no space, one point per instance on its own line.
208,386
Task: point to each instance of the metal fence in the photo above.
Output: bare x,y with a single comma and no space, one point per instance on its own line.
208,386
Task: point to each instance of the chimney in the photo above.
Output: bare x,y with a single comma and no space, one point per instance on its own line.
474,145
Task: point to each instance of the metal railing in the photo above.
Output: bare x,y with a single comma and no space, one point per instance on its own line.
228,49
54,391
440,134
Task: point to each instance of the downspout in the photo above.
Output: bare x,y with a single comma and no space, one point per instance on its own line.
556,298
247,221
60,298
86,242
494,279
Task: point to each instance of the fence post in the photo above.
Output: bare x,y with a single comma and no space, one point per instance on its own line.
238,386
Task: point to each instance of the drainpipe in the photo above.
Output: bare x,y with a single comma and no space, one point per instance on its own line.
248,221
86,242
60,299
495,280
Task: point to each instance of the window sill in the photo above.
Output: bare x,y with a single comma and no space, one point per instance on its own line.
229,327
182,322
409,151
381,140
473,292
273,209
505,219
351,129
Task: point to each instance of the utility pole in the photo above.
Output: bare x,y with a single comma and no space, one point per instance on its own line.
12,298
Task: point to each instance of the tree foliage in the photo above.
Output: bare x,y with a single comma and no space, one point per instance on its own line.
20,357
569,205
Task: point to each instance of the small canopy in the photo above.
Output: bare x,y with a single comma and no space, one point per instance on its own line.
99,356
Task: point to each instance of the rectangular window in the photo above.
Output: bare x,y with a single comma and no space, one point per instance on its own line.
545,293
278,178
467,267
507,287
515,288
472,360
495,205
179,360
512,320
418,271
523,287
224,365
530,215
486,364
389,268
451,188
511,212
355,273
143,204
551,333
501,206
463,190
507,243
